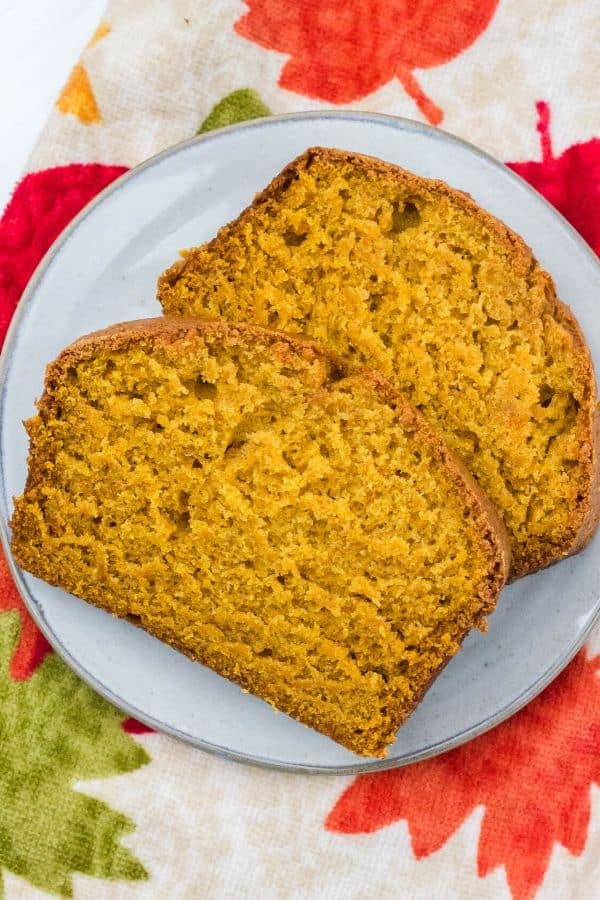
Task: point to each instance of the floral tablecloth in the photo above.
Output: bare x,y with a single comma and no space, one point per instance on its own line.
92,804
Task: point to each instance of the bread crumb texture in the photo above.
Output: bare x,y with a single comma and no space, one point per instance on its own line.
411,277
257,505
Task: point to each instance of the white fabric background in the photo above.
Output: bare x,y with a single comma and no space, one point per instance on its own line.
39,42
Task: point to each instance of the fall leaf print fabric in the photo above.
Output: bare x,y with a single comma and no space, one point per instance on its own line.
95,805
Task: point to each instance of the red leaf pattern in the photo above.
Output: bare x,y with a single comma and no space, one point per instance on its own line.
41,206
571,181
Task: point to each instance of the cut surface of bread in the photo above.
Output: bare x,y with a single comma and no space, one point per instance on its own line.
265,508
411,277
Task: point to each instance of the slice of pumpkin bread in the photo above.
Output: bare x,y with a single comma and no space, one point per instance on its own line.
411,277
266,509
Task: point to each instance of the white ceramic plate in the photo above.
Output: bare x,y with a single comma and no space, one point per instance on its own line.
103,269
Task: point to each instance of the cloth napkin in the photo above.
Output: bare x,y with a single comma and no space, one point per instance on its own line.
92,805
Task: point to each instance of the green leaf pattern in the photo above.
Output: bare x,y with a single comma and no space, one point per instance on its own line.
53,731
239,106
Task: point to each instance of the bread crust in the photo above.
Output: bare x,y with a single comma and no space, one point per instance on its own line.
167,329
585,516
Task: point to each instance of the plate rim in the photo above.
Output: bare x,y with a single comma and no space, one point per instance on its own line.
10,341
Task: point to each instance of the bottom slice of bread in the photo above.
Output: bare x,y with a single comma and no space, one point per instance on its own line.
265,508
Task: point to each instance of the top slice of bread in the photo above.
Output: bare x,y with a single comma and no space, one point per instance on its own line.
265,508
412,277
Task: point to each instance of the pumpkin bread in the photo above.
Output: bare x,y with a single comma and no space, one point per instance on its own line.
264,507
411,277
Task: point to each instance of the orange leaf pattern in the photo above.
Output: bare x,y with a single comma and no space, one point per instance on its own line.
532,774
342,50
77,97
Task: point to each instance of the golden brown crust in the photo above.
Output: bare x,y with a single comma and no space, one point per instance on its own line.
586,514
167,329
